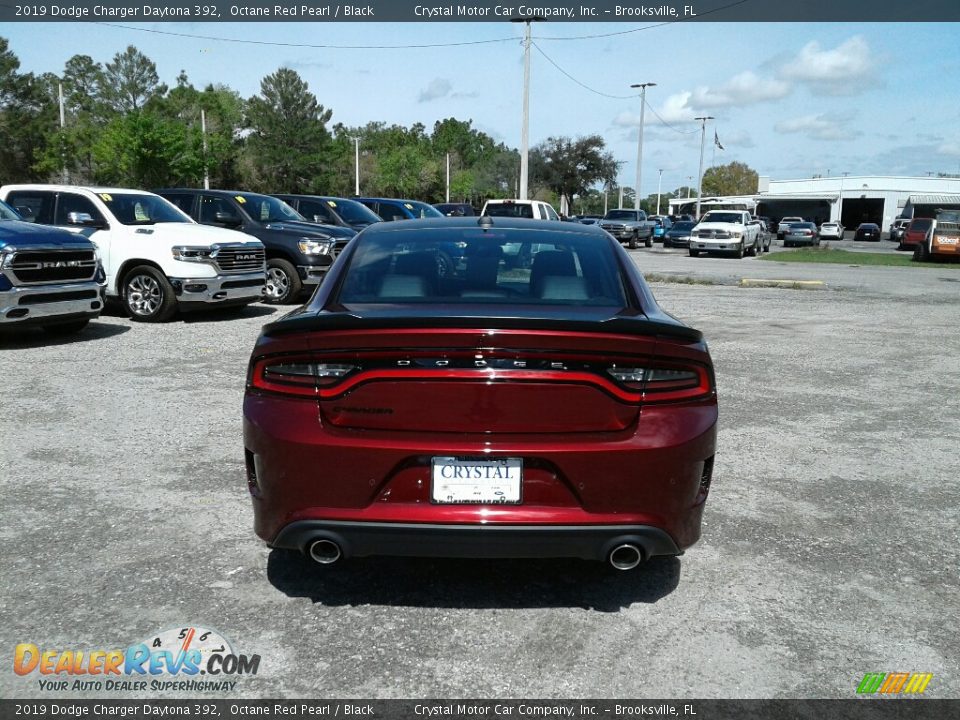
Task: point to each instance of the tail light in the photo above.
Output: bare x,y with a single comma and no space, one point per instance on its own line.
295,375
665,384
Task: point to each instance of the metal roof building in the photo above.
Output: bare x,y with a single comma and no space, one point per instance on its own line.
851,199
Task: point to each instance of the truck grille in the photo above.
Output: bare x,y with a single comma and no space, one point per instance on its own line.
613,228
47,266
239,258
718,234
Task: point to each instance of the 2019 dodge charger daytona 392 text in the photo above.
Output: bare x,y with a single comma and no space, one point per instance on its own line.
550,409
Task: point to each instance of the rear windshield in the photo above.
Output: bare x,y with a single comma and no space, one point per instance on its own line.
520,210
440,267
921,224
683,225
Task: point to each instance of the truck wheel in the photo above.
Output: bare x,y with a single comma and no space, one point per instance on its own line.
694,253
283,282
648,242
632,243
67,328
753,251
739,252
148,295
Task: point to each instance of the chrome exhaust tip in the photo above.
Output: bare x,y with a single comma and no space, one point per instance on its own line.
625,557
324,552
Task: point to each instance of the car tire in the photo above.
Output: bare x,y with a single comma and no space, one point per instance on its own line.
694,253
648,242
740,251
445,265
147,295
283,282
66,328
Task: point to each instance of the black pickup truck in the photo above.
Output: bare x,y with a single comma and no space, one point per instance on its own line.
299,252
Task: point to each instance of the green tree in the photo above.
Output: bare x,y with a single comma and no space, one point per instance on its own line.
144,149
570,167
735,178
130,81
289,140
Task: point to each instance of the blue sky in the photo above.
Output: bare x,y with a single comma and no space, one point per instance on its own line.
791,100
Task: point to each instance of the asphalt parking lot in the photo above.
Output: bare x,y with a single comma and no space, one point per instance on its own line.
830,544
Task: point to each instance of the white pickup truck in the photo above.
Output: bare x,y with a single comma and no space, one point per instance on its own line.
726,231
156,258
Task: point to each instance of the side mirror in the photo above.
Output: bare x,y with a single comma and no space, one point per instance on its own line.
227,219
84,219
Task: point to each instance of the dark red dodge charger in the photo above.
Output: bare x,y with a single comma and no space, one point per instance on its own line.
481,387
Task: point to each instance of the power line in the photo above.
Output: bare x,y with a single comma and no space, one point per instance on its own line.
214,38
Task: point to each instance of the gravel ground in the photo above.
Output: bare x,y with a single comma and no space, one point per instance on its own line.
829,548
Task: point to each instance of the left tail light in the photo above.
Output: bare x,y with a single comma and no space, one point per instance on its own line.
295,375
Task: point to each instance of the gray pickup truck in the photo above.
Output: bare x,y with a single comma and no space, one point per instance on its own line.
629,226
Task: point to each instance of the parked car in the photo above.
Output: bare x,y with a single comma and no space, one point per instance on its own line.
630,226
726,231
916,232
332,210
679,234
831,230
299,252
533,209
156,259
801,233
456,209
897,228
661,224
763,236
391,209
49,278
768,224
492,413
867,231
785,223
588,219
942,240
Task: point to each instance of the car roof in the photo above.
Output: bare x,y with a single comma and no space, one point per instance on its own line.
485,221
75,188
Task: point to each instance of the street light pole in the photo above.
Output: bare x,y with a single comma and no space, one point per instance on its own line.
840,200
643,107
703,135
356,166
659,185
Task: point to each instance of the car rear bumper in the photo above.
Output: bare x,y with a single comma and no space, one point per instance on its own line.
40,304
653,475
595,542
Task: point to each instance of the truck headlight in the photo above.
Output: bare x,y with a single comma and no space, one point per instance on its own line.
736,234
312,246
190,253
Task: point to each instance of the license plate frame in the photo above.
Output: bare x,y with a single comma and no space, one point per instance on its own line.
458,480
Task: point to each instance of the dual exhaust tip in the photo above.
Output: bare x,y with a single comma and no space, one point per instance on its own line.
625,556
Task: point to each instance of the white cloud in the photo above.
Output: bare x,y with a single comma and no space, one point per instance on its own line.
737,138
818,127
437,88
746,88
950,148
848,69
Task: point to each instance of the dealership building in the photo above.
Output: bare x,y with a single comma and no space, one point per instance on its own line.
851,199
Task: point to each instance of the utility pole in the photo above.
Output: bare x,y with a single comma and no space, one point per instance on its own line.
840,199
703,135
659,185
448,177
203,137
689,180
643,107
63,125
525,124
356,166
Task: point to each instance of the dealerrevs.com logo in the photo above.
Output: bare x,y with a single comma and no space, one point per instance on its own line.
895,684
174,660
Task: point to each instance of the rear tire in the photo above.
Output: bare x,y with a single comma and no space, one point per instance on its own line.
148,295
739,252
648,242
694,253
67,328
283,282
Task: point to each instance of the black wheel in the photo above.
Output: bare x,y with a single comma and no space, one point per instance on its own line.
648,242
283,282
921,253
148,295
754,250
67,328
694,253
633,244
445,265
740,252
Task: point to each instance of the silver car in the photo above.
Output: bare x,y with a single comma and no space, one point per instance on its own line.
801,233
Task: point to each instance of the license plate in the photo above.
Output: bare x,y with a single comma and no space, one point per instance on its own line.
476,481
